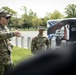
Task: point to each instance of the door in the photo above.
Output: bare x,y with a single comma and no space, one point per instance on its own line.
72,33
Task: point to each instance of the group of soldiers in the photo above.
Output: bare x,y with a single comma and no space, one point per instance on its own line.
39,43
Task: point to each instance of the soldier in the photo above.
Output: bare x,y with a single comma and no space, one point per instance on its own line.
39,43
6,63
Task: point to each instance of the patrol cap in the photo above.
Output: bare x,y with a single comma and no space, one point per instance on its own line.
41,28
5,14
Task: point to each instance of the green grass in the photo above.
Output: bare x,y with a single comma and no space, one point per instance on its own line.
18,54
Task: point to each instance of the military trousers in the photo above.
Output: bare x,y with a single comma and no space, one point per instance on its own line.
6,64
6,69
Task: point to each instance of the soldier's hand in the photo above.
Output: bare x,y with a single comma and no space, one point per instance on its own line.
17,33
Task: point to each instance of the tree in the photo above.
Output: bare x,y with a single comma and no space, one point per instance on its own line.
30,18
47,15
70,11
24,9
56,15
7,9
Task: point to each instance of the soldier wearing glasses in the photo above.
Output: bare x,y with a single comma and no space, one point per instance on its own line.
6,63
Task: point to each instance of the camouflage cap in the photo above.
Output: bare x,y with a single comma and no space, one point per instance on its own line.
41,28
5,14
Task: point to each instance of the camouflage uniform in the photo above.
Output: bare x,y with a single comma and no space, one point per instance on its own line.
5,49
39,44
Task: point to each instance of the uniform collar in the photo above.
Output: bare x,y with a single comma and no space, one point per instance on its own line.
40,35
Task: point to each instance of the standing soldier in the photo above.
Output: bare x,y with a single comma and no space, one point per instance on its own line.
39,43
6,63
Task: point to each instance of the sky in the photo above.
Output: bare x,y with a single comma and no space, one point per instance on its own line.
40,7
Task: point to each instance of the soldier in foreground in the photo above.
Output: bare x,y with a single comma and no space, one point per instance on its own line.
39,43
6,63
